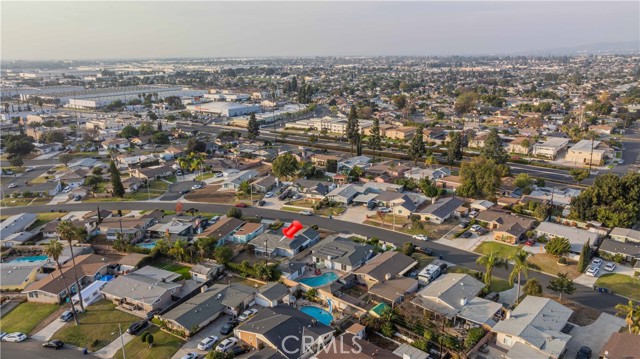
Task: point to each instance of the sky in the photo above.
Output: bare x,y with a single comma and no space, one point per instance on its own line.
157,29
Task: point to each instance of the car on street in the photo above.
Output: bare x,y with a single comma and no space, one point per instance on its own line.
305,213
268,195
466,234
136,328
190,356
53,344
463,224
226,344
241,205
227,328
197,186
184,191
246,314
596,262
261,203
384,209
208,342
610,267
476,228
593,271
584,353
425,250
13,185
218,175
28,169
66,316
16,337
420,237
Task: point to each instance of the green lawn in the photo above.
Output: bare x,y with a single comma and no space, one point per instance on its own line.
21,202
423,259
158,185
204,176
173,267
502,250
497,285
620,284
25,317
44,218
164,346
98,326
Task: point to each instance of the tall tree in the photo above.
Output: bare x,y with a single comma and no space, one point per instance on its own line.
520,266
285,165
579,174
631,312
54,249
253,127
196,146
417,148
490,261
352,127
465,102
493,148
562,285
331,166
116,181
454,147
68,232
585,256
480,178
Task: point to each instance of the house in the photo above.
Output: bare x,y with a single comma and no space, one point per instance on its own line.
51,289
197,312
151,173
401,133
481,205
277,245
507,227
407,351
146,289
115,144
45,189
341,254
435,135
576,236
390,168
602,129
347,345
383,129
21,238
16,224
344,194
358,161
223,229
174,227
441,210
383,276
313,189
86,163
551,147
171,153
454,296
629,250
478,140
48,148
292,269
247,232
535,329
271,294
320,160
233,181
264,184
133,229
17,276
419,173
521,145
621,346
206,270
131,261
587,152
270,326
132,184
625,235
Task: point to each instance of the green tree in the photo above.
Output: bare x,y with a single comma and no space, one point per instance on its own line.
532,287
65,158
311,294
473,337
523,180
558,246
541,211
146,128
18,145
353,127
579,174
54,249
206,246
631,312
454,147
465,102
375,140
234,212
332,166
179,250
285,165
490,261
428,188
93,181
520,266
195,146
16,161
562,284
408,248
116,182
216,354
244,188
160,138
253,128
417,148
493,148
129,131
223,254
150,340
480,178
585,256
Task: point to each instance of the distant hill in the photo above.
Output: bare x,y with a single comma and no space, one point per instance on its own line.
627,47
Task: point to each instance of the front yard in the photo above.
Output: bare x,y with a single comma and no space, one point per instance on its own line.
548,263
98,326
164,346
500,249
497,285
25,317
620,284
21,202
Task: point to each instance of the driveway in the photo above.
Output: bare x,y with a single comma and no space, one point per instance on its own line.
47,332
356,214
594,335
211,329
467,244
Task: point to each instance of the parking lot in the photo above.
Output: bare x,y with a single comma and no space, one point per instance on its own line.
212,329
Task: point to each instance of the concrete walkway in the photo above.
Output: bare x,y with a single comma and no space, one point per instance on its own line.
47,332
112,348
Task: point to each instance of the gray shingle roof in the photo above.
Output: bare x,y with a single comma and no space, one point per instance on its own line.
343,251
273,290
443,207
445,294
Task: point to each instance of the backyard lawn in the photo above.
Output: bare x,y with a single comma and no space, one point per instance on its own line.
164,346
502,250
173,267
25,317
497,285
98,326
620,284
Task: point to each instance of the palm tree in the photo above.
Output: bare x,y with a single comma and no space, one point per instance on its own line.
53,249
632,313
68,232
184,163
178,251
490,261
520,266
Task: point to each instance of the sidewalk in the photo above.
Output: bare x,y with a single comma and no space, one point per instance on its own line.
110,350
47,332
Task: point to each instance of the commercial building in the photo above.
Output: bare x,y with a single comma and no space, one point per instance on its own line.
588,152
227,109
550,147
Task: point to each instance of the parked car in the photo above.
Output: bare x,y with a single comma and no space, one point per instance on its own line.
297,196
218,175
197,186
246,314
228,327
305,213
3,334
152,313
597,262
208,342
473,214
53,344
77,197
137,327
584,353
466,234
593,271
261,203
530,242
16,337
190,356
371,205
420,237
463,224
484,349
66,189
241,205
476,227
239,350
66,316
610,266
425,250
384,209
13,185
226,344
28,169
268,195
185,191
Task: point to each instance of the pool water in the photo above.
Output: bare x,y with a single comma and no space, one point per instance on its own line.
320,280
146,245
319,314
30,259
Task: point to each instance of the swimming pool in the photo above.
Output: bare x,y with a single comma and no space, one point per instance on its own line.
320,280
146,245
319,314
30,259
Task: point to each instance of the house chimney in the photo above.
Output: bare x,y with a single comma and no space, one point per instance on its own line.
507,314
463,301
387,276
434,199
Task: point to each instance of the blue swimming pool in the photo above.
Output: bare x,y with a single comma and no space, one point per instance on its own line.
146,245
30,259
320,314
320,280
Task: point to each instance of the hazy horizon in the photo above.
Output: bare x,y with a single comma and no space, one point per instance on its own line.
134,30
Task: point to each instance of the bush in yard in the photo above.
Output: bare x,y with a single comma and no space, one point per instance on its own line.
473,337
223,254
562,260
388,330
558,246
429,334
408,248
149,340
532,287
143,337
234,212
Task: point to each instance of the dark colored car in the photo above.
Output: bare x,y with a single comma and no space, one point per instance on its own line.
184,191
228,327
151,313
466,234
584,353
239,350
53,344
425,250
241,205
443,267
261,203
136,328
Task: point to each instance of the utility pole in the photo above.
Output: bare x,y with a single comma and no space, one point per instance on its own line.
124,355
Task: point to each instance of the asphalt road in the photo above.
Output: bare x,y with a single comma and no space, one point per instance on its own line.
31,349
631,152
583,295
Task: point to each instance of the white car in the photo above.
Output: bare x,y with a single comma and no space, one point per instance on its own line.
246,314
16,337
197,186
593,271
596,262
28,169
66,189
2,335
384,209
226,344
420,237
476,228
208,342
218,175
13,185
305,213
190,356
473,214
268,195
609,267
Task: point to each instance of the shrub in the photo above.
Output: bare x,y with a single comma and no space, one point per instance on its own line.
473,337
143,337
558,246
388,330
562,260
